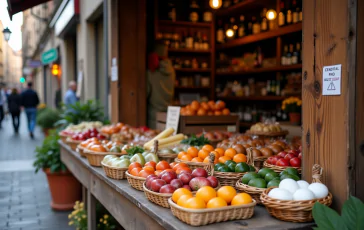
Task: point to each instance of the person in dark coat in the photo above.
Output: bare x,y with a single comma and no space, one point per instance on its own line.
30,101
14,103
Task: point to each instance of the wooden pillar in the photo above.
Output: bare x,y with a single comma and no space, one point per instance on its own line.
330,130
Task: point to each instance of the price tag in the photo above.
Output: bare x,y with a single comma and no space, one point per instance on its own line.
173,113
331,80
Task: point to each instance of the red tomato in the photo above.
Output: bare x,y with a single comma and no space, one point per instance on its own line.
274,160
295,162
282,162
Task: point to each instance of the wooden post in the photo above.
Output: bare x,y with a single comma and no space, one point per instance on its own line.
91,211
330,130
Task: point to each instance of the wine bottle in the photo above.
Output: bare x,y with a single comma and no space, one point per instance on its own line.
289,12
289,55
300,11
194,8
182,43
241,29
295,56
299,52
256,25
205,43
295,10
281,16
234,27
264,22
250,27
220,33
284,56
196,41
171,11
189,41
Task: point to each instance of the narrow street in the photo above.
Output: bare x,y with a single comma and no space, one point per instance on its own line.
24,195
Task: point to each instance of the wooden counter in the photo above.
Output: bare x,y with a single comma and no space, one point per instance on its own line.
132,209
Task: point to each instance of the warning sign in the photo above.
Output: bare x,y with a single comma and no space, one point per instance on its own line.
331,80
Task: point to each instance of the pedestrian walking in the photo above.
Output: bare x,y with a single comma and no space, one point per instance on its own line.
2,104
30,100
14,104
71,98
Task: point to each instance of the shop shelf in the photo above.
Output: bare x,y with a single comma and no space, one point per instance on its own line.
188,50
262,70
253,98
191,87
261,36
242,6
184,24
191,70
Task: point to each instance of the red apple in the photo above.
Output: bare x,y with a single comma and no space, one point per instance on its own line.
199,172
282,154
167,189
169,176
156,184
282,162
186,186
300,148
269,160
289,156
198,182
185,177
295,152
163,172
213,180
295,162
274,160
149,179
300,155
177,183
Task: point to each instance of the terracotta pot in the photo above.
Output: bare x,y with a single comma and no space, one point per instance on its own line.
65,189
295,118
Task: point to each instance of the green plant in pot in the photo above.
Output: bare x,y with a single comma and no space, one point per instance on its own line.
47,119
292,106
64,187
79,112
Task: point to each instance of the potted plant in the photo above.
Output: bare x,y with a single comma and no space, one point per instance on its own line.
292,106
47,118
65,189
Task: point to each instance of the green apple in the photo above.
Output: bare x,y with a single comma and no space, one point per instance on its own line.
124,163
152,157
145,153
125,157
108,158
138,157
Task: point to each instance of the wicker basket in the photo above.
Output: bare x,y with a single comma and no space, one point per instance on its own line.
63,137
279,169
194,165
135,182
95,158
72,143
160,199
114,172
292,210
80,150
199,217
282,133
252,191
230,178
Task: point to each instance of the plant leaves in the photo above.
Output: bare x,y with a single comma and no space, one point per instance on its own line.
353,213
326,218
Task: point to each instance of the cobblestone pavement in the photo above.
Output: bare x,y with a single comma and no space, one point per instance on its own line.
24,195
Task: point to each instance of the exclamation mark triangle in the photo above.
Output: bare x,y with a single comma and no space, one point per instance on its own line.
331,86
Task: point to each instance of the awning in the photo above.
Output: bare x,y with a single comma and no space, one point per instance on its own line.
16,6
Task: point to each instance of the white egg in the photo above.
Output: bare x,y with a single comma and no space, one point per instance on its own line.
303,194
280,194
319,190
289,185
303,184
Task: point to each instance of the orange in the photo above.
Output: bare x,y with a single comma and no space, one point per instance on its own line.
134,165
216,202
195,105
201,112
186,158
192,151
217,155
239,158
109,145
196,159
181,154
151,164
226,111
218,113
149,168
180,165
162,165
98,148
183,169
206,193
157,172
203,153
85,143
183,199
135,171
211,104
221,151
204,106
206,160
195,203
230,152
208,148
223,159
220,105
241,198
227,193
180,192
145,173
172,164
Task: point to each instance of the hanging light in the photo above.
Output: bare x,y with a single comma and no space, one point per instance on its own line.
215,4
271,14
55,70
7,34
230,33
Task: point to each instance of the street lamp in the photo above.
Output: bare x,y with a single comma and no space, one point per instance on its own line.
7,34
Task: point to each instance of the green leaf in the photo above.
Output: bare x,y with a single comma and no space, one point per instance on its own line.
135,149
353,213
326,218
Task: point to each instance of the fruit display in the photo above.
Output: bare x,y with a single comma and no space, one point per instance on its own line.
262,127
80,128
165,139
217,135
292,158
205,108
131,135
232,166
90,133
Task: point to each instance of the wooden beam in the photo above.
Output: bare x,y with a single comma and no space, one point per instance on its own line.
328,124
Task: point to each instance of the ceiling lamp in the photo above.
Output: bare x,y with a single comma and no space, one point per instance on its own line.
215,4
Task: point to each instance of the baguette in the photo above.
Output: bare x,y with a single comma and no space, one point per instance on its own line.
164,134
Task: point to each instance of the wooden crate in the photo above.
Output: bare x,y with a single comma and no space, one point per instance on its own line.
197,124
